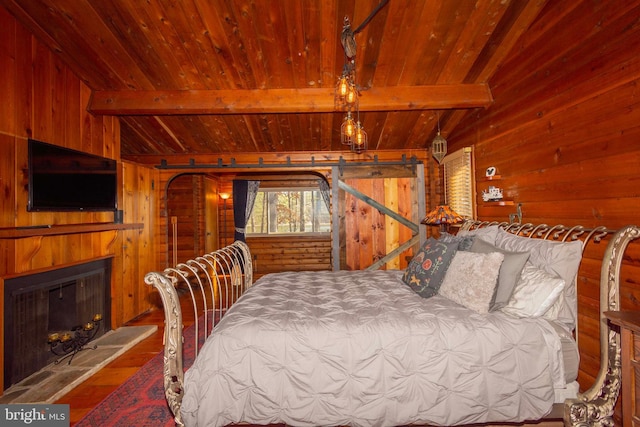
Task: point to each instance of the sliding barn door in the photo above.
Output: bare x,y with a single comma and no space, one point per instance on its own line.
377,210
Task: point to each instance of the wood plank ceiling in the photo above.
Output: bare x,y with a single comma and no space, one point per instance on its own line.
206,77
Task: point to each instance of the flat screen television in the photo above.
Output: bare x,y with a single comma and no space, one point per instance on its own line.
61,179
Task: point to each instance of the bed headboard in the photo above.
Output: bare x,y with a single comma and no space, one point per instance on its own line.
595,406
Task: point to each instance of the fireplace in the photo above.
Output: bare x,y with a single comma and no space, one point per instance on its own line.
52,301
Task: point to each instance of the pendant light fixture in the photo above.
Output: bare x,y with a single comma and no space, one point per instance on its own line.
352,132
439,145
346,96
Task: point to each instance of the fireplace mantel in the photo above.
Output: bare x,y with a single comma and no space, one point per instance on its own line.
52,230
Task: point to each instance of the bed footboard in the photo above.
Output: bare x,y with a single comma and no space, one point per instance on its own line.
595,406
213,281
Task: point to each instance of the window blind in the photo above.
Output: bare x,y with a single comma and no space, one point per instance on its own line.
458,182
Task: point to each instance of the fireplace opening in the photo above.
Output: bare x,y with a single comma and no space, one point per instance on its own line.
53,301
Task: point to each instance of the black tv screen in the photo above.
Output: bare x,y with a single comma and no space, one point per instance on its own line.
61,179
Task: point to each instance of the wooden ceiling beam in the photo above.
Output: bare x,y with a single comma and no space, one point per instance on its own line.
273,101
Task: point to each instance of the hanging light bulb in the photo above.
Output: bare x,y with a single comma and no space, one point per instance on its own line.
343,86
360,141
348,129
351,96
346,92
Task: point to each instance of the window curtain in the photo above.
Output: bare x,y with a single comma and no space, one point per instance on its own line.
244,197
325,191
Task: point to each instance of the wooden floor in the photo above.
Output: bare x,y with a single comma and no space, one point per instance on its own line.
91,392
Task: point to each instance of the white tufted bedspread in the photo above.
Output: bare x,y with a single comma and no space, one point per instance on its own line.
362,349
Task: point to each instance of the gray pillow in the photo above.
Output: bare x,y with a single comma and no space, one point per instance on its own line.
464,242
488,234
427,269
510,270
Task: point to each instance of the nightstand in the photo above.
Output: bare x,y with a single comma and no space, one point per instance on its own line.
629,323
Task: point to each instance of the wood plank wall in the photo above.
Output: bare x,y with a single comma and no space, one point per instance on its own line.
564,134
369,234
284,253
43,99
185,207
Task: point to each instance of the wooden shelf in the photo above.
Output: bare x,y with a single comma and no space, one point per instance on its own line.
492,178
500,203
53,230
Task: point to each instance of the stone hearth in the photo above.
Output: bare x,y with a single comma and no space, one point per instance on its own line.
54,381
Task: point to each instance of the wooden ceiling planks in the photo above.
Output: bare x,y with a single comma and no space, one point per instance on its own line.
139,57
475,34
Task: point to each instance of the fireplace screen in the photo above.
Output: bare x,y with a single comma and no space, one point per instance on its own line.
54,301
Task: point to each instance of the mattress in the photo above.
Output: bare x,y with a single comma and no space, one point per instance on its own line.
362,349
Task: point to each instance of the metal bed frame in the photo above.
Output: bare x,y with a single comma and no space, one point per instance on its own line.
215,280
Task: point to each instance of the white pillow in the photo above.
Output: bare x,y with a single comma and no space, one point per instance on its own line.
471,279
535,292
557,258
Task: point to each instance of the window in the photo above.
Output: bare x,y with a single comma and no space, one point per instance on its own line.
291,211
458,182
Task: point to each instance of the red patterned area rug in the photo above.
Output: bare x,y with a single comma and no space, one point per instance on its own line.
140,400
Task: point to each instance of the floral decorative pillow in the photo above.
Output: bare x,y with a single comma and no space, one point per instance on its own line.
427,269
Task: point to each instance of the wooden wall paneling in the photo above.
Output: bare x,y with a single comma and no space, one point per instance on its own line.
391,226
407,207
338,227
132,291
361,249
7,180
210,215
60,105
8,74
137,254
125,248
412,207
24,101
186,204
179,191
570,106
120,291
199,198
42,88
378,237
352,231
274,254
